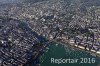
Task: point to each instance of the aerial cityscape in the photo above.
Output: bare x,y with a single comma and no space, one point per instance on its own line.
34,32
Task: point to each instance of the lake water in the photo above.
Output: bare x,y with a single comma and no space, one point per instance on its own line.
59,51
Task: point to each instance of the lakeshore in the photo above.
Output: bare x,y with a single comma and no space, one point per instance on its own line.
75,46
58,51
